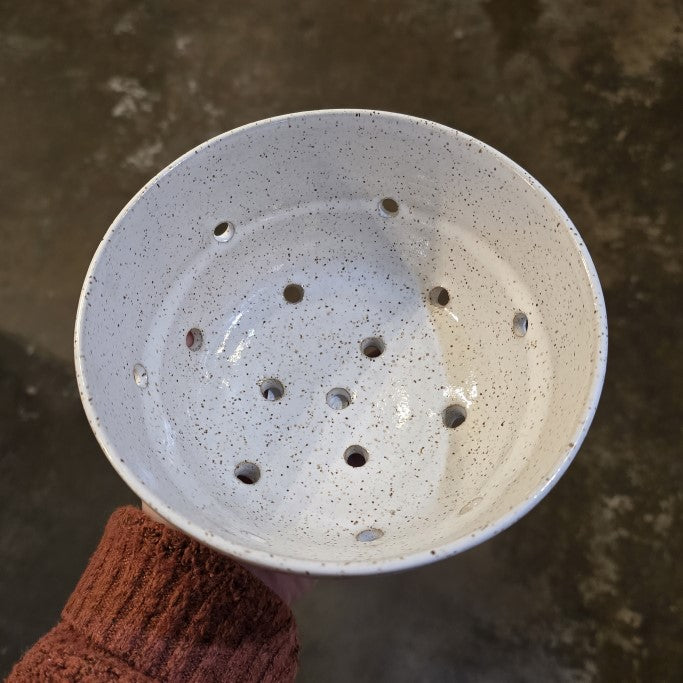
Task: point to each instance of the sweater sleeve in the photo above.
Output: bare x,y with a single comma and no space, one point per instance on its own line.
153,604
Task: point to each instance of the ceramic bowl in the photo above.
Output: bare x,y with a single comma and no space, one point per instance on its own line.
341,342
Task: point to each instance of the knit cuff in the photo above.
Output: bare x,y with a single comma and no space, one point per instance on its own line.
174,609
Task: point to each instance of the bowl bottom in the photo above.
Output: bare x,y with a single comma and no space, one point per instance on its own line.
343,383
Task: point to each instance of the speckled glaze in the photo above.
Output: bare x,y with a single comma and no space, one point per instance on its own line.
359,463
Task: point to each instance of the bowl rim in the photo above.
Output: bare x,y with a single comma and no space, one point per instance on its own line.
281,562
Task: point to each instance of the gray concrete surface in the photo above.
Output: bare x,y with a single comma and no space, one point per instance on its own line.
96,97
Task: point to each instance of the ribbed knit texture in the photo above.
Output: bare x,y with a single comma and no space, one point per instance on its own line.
154,604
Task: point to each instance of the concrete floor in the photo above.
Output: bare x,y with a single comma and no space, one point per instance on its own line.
96,97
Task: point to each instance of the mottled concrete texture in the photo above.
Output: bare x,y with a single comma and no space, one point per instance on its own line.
96,97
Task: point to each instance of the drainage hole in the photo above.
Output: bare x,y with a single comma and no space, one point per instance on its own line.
248,472
140,375
338,398
388,206
520,324
439,296
272,389
369,535
372,347
356,456
224,231
293,293
194,339
454,416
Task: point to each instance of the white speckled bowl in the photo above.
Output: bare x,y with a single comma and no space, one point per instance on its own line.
395,478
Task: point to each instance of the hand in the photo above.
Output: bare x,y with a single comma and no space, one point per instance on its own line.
289,587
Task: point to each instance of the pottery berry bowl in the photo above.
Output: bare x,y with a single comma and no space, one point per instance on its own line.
341,342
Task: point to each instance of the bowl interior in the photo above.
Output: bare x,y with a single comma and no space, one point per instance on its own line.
341,342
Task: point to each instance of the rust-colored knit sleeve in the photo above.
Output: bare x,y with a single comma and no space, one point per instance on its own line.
154,604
